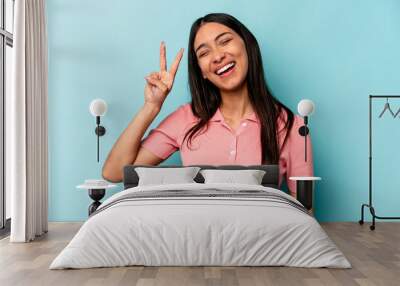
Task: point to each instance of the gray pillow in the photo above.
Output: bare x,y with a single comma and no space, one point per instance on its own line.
162,176
249,177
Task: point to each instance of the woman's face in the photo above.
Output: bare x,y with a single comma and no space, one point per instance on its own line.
221,55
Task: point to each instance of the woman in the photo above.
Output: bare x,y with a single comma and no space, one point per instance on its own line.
232,119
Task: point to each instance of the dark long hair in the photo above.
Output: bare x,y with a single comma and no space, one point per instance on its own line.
206,96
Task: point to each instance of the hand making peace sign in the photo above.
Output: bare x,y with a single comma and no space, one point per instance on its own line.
160,83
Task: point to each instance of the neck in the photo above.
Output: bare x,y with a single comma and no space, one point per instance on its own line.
235,104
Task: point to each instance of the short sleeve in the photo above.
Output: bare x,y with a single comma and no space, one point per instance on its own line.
292,160
163,140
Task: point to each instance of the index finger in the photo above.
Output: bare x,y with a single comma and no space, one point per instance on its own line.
175,64
163,60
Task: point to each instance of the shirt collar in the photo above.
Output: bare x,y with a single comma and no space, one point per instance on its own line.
218,116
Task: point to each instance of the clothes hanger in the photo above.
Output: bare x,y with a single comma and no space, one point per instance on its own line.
387,107
397,113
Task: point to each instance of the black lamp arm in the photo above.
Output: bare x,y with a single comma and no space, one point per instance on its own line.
303,131
100,131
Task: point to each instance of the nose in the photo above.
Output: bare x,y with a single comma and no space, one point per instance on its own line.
218,56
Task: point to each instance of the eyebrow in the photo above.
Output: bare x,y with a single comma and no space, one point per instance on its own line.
216,38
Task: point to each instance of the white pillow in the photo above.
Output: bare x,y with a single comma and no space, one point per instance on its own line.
249,177
162,176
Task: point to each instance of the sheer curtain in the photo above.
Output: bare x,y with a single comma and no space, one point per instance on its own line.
26,124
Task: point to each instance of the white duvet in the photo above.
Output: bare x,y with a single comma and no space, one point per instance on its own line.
183,231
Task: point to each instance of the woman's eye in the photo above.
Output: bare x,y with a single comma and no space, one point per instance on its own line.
203,54
225,41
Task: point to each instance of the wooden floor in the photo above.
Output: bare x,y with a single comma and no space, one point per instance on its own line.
374,255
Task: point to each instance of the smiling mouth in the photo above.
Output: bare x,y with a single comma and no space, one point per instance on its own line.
226,70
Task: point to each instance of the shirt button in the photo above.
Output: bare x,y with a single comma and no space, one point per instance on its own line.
233,152
244,124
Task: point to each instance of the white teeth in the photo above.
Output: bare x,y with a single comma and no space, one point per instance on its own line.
224,68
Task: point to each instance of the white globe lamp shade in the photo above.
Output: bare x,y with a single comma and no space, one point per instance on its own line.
98,107
305,107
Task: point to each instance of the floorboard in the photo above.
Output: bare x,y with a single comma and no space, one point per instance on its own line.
374,255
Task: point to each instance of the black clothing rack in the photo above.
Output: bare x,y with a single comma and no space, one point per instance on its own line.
370,205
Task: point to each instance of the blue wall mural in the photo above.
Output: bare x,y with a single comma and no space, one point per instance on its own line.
333,52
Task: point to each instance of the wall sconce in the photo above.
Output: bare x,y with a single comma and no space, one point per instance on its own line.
305,108
98,107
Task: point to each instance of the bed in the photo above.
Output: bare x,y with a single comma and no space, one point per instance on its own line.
201,224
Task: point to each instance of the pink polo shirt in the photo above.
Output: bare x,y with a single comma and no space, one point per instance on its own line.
220,145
